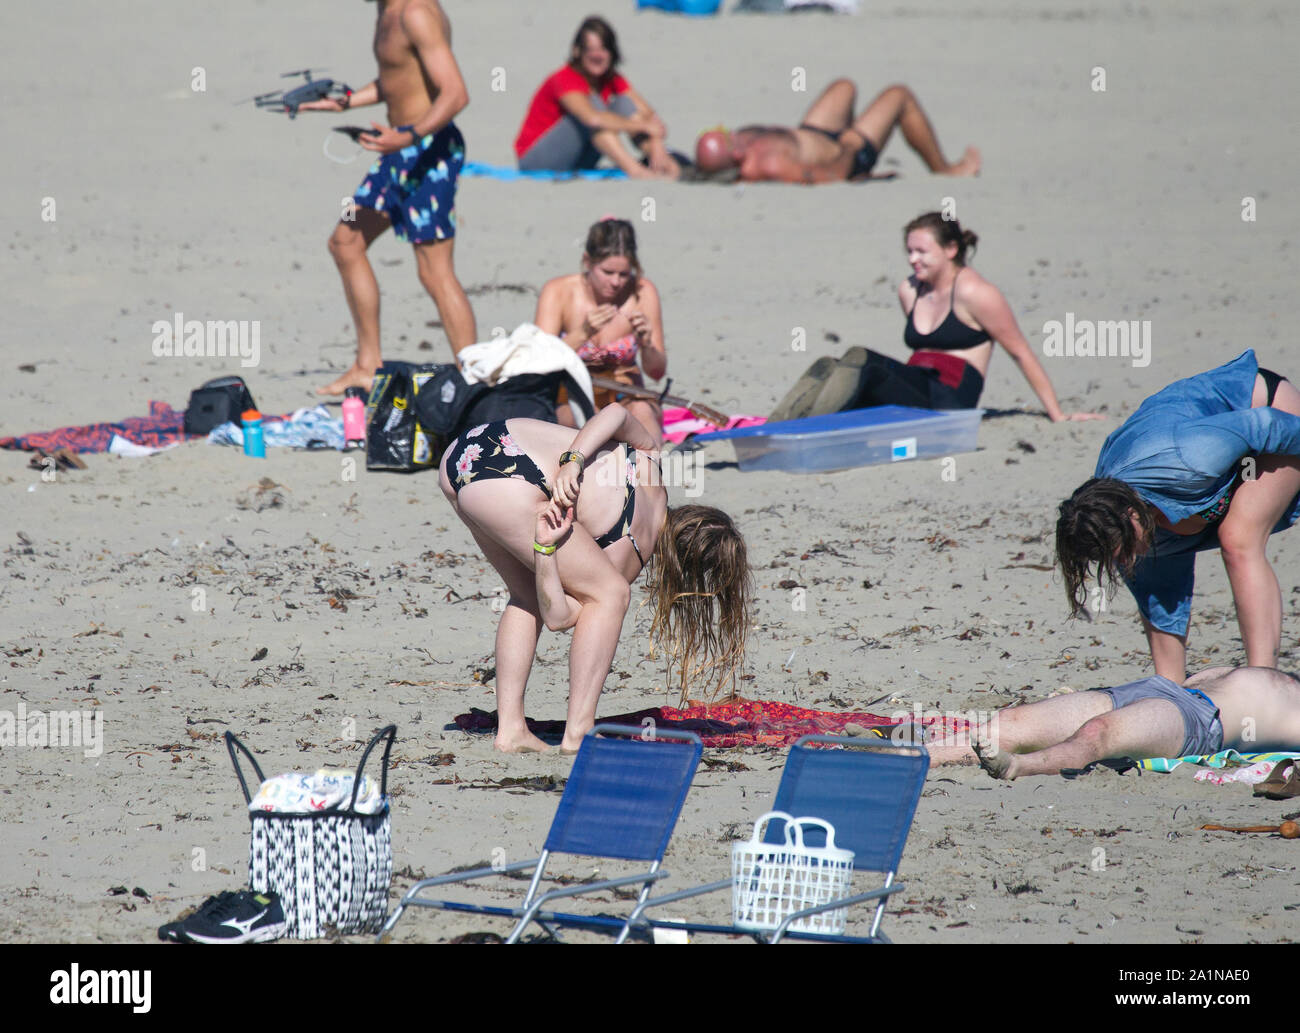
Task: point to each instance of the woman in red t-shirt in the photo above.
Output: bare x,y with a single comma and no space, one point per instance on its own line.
580,112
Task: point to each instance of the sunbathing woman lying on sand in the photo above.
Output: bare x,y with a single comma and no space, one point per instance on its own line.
1253,709
830,145
1210,462
610,315
569,522
963,314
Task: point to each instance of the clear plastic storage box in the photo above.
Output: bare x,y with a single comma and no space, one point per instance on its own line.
860,437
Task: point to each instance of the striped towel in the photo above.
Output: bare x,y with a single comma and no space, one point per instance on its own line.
1224,759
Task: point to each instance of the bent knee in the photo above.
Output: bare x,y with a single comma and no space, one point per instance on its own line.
345,242
1241,542
434,271
618,595
1095,736
430,279
612,591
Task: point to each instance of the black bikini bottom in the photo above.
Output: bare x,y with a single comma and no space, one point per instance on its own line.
864,158
1271,381
886,381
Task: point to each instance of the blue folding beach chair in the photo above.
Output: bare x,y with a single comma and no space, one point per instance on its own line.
622,800
867,790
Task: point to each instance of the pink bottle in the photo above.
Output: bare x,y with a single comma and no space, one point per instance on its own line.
354,418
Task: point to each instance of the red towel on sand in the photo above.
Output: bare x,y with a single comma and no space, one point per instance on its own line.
163,426
740,723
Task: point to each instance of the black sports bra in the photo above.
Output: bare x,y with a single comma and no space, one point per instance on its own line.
950,335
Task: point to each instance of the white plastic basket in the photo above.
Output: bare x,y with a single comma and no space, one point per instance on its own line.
771,881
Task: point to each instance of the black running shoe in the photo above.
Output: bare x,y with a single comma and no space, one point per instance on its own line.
172,932
243,917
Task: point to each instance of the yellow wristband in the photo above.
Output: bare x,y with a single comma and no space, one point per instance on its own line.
545,550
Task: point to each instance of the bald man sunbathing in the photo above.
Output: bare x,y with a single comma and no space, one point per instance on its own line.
830,145
1252,709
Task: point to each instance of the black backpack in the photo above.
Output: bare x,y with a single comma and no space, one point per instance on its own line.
415,410
218,401
448,405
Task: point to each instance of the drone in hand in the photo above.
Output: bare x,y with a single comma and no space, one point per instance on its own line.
311,89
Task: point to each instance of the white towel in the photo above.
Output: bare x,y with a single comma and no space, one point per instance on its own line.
527,350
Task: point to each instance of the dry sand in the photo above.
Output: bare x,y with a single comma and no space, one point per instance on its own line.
1123,204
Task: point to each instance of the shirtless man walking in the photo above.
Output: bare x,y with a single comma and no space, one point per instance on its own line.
412,185
830,145
1255,709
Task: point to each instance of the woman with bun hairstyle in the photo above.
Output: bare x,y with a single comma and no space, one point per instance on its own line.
953,317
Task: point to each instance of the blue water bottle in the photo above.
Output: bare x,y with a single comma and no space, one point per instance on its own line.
254,442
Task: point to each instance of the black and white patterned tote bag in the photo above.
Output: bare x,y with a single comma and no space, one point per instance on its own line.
327,853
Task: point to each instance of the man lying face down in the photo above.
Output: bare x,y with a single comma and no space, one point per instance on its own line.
1252,709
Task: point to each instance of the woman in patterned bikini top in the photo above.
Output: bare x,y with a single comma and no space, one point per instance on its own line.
610,315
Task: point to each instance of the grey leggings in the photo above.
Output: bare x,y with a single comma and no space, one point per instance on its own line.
567,146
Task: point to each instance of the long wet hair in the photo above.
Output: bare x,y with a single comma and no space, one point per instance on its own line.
701,588
605,33
946,232
1094,530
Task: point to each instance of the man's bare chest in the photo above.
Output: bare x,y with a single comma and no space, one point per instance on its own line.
392,47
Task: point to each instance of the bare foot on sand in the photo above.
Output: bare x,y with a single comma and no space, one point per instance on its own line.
969,165
356,376
525,743
994,761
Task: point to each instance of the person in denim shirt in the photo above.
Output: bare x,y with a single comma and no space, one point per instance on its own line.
1210,462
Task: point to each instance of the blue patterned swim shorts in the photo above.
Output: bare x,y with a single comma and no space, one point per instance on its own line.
416,186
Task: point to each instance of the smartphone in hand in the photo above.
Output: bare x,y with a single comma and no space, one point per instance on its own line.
356,132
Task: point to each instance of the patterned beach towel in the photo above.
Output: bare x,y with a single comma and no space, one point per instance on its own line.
165,426
305,428
721,725
1224,762
162,427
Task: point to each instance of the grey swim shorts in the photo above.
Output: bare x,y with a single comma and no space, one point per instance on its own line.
1204,730
567,145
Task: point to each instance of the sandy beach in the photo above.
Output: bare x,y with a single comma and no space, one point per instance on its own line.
302,602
